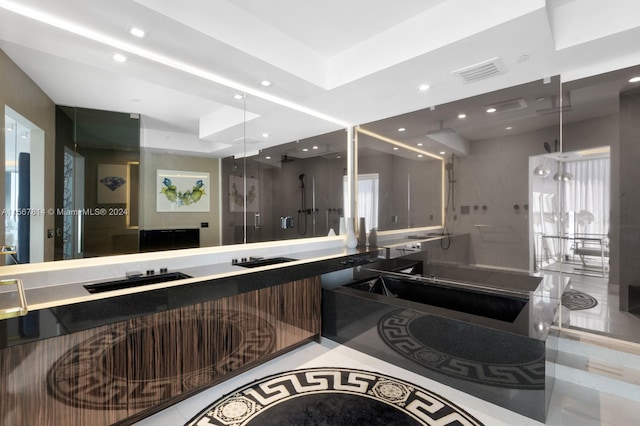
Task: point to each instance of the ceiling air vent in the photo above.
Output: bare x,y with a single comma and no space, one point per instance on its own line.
481,70
510,105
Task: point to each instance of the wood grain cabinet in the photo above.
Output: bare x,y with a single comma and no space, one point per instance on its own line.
118,373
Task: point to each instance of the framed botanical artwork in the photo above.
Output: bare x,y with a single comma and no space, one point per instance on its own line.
182,191
236,194
112,184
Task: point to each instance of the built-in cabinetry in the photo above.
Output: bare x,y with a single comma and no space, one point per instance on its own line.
119,372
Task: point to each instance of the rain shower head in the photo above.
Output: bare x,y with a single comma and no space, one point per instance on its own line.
448,166
301,177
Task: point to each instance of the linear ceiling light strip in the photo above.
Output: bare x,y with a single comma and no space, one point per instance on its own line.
85,32
397,143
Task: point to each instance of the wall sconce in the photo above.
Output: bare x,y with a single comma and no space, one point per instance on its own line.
541,171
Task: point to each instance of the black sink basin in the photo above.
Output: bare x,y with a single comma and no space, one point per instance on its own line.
135,282
254,263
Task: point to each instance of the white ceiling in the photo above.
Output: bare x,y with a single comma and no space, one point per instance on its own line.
332,63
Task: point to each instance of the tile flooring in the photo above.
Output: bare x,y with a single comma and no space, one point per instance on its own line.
605,318
570,405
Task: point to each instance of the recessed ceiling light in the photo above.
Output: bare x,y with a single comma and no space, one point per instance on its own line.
419,143
634,80
265,135
137,32
395,148
508,128
401,129
490,110
423,87
265,83
541,98
462,115
315,147
119,57
268,157
305,149
442,152
238,96
523,58
338,156
419,155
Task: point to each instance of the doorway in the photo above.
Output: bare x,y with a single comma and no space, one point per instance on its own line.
24,211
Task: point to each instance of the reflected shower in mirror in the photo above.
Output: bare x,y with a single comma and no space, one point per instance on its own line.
292,190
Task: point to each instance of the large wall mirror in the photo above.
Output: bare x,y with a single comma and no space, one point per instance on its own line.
400,186
293,190
482,186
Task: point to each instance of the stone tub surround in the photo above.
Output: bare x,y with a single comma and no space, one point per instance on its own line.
53,283
507,363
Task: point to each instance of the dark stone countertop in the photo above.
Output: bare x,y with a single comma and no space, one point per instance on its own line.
79,310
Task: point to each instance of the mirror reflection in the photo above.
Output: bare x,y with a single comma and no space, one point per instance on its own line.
399,186
485,142
293,190
97,183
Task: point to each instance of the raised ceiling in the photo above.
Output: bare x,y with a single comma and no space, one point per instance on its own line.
332,64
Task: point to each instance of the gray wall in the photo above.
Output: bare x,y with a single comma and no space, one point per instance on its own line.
627,200
426,189
495,175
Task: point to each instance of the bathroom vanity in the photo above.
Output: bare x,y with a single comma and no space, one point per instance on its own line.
132,346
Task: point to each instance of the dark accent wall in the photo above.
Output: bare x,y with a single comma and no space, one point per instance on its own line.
626,199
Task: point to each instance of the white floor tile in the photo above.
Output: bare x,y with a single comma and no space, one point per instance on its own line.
571,404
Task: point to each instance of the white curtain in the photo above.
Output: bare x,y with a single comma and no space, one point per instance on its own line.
367,199
586,196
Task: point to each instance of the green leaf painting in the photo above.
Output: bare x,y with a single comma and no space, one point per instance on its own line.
182,191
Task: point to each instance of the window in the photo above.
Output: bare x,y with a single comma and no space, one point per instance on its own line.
367,198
